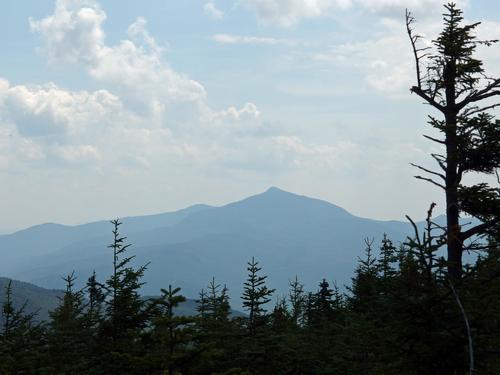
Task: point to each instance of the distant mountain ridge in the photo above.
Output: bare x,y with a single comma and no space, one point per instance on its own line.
36,300
41,301
288,233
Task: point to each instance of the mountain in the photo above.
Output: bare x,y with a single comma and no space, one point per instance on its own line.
288,234
40,240
40,300
35,299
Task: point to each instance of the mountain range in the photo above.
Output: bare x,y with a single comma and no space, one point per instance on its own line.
40,301
289,234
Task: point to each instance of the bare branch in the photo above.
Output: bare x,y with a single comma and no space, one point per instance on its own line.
439,161
478,229
481,94
415,229
475,110
413,40
428,171
431,181
427,98
434,139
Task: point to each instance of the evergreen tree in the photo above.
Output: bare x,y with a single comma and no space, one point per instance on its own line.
96,295
215,337
297,301
255,296
455,84
69,336
365,282
126,314
22,340
171,334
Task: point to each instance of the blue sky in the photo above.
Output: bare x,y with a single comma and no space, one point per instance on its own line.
114,108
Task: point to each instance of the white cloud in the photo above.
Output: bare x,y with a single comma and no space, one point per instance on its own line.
212,11
290,12
47,109
74,34
386,60
151,114
316,156
397,7
239,39
78,153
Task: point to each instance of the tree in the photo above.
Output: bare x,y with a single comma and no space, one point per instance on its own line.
215,334
68,335
365,282
171,333
126,312
95,297
452,80
255,295
21,338
297,301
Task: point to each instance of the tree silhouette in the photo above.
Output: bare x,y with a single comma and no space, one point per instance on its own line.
452,80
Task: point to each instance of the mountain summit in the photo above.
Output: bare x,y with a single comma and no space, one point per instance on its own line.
289,234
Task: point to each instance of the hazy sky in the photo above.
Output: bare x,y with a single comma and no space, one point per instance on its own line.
112,108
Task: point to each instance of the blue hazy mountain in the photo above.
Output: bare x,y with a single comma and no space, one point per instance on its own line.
287,233
40,301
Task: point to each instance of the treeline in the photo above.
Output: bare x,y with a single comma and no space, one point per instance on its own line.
400,315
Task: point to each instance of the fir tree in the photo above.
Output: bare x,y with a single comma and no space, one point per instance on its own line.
22,340
455,84
69,336
126,313
255,295
171,334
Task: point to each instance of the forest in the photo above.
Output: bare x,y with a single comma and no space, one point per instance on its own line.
419,307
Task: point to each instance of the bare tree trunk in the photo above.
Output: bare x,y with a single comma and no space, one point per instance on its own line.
454,242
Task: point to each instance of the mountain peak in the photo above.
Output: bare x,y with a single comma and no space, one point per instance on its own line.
274,189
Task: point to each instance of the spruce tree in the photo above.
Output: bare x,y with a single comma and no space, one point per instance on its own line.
69,337
255,295
297,301
451,79
22,339
171,334
126,313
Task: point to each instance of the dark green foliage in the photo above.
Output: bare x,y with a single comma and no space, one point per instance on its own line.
171,335
400,315
68,334
255,296
456,85
21,339
126,313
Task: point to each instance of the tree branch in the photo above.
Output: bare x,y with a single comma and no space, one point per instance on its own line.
428,171
440,162
481,94
434,139
413,39
427,98
475,110
431,181
478,229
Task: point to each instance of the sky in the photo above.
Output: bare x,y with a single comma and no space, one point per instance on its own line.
116,108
